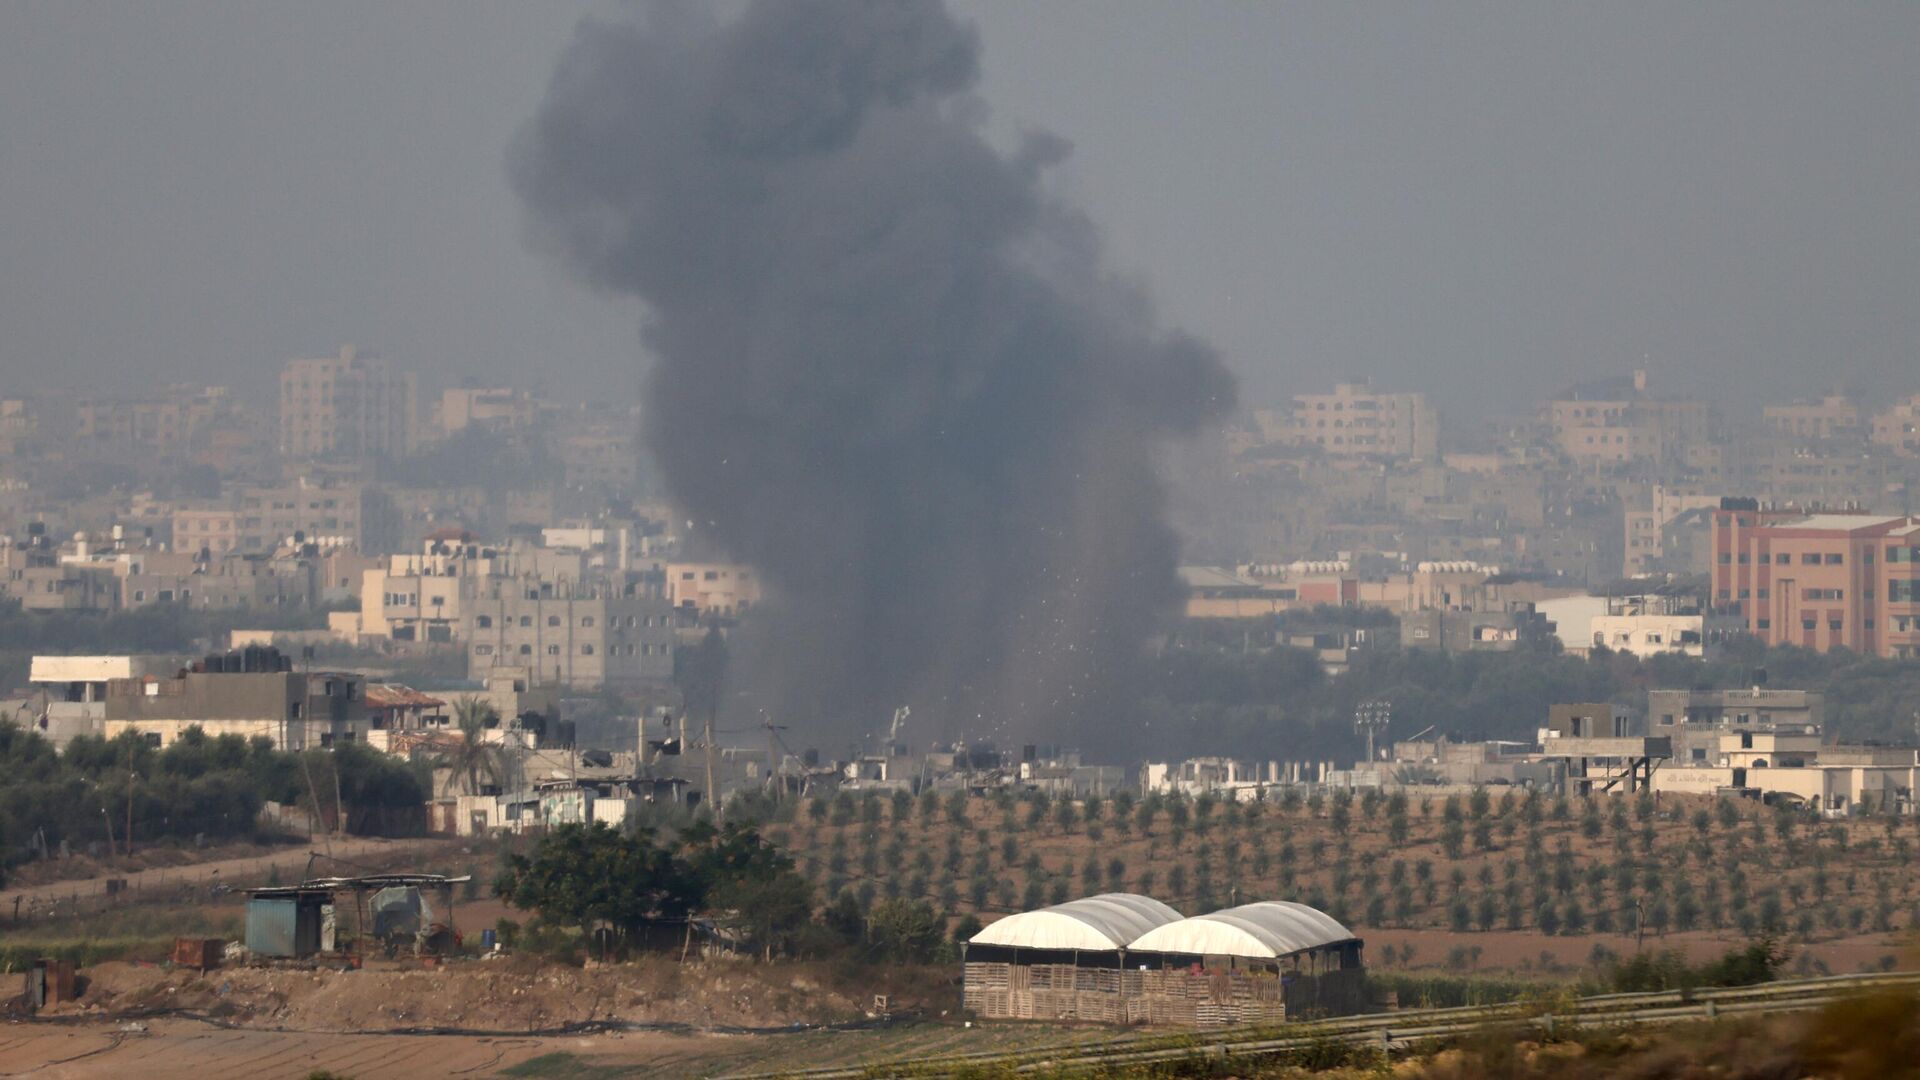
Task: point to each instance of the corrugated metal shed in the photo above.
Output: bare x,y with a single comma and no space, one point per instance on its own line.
1271,928
1093,924
284,925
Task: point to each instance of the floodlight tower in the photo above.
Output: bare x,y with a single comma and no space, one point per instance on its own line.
1370,717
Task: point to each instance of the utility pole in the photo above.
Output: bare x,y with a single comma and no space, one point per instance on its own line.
314,794
130,776
772,761
339,805
713,798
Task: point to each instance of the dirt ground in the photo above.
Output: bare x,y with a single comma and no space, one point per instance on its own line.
509,995
240,866
246,1022
187,1050
1527,952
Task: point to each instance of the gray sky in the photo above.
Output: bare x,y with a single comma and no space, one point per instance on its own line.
1478,200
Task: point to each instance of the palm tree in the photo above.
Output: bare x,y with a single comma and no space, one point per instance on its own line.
473,755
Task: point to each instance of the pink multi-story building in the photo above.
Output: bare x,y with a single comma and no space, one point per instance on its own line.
1821,581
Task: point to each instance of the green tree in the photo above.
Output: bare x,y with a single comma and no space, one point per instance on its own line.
748,883
473,757
589,876
905,931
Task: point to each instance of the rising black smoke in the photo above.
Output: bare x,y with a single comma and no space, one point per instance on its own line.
891,371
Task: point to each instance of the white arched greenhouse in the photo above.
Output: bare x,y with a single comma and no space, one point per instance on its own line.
1090,932
1305,953
1125,958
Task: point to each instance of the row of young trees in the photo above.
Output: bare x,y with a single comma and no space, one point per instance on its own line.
1487,860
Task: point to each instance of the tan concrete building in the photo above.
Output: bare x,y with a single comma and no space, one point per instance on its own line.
1832,416
710,588
163,423
1357,421
1697,720
354,515
215,531
583,637
1617,425
349,406
252,694
494,407
1898,428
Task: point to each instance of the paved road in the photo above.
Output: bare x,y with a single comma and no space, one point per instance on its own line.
251,870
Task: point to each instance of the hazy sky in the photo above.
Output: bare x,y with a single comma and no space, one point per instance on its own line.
1478,200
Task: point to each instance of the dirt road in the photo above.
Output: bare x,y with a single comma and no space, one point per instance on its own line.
251,870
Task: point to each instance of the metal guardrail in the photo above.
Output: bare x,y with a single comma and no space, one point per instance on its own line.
1396,1030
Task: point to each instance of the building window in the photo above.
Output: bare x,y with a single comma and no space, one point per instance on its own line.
526,620
553,620
1743,558
1810,559
1783,558
1834,559
1763,624
586,650
526,650
553,650
1726,558
483,650
1761,593
586,620
484,622
1808,624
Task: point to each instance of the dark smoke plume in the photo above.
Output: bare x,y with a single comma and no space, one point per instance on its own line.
891,372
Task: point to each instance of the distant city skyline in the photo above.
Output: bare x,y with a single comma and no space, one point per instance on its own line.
1481,202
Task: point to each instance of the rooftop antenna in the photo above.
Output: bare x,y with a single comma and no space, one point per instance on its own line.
899,721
